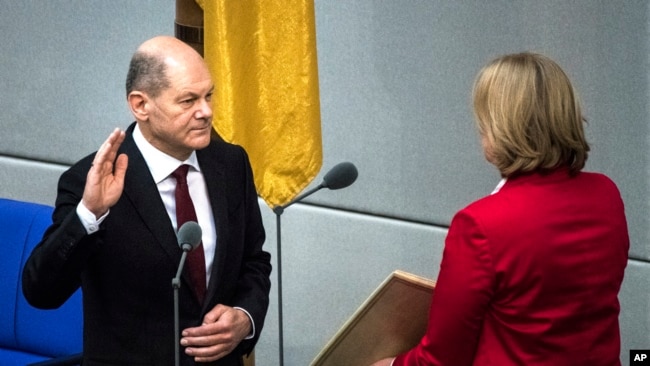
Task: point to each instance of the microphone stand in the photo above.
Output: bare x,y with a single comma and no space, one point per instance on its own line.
176,284
340,176
278,210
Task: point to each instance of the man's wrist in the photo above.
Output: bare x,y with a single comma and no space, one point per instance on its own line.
88,219
251,335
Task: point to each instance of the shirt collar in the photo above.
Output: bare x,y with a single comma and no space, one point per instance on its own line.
499,186
160,164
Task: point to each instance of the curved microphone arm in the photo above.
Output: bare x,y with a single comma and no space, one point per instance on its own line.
280,209
340,176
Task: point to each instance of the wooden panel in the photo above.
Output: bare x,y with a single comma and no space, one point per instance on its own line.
392,320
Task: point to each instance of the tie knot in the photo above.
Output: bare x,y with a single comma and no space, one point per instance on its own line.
180,174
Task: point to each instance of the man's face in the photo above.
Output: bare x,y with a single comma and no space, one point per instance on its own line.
180,117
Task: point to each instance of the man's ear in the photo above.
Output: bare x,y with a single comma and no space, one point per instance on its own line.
138,102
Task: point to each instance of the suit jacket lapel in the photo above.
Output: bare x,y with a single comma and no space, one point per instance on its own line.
141,190
214,174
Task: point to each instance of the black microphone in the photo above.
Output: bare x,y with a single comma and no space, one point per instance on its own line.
340,176
189,236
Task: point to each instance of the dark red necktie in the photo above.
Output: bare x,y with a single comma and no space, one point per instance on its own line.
185,212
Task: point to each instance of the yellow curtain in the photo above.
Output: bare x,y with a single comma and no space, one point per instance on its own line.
262,56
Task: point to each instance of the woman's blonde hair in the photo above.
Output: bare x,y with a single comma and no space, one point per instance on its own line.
528,115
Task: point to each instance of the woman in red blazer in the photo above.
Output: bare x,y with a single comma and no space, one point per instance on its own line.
530,275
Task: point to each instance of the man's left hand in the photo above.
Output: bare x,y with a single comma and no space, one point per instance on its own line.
222,330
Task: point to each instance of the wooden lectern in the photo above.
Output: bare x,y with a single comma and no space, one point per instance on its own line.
391,321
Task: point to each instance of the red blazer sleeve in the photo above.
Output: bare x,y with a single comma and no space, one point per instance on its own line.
464,288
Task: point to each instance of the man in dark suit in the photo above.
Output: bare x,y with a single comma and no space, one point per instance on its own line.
114,228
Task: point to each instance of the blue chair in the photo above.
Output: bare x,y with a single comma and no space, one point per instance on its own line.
29,335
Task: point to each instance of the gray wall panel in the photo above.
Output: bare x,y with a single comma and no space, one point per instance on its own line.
30,181
332,261
63,68
395,94
635,309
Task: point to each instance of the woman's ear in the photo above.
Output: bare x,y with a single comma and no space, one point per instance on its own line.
138,104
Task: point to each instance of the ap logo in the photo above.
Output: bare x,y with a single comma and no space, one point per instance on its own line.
639,357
